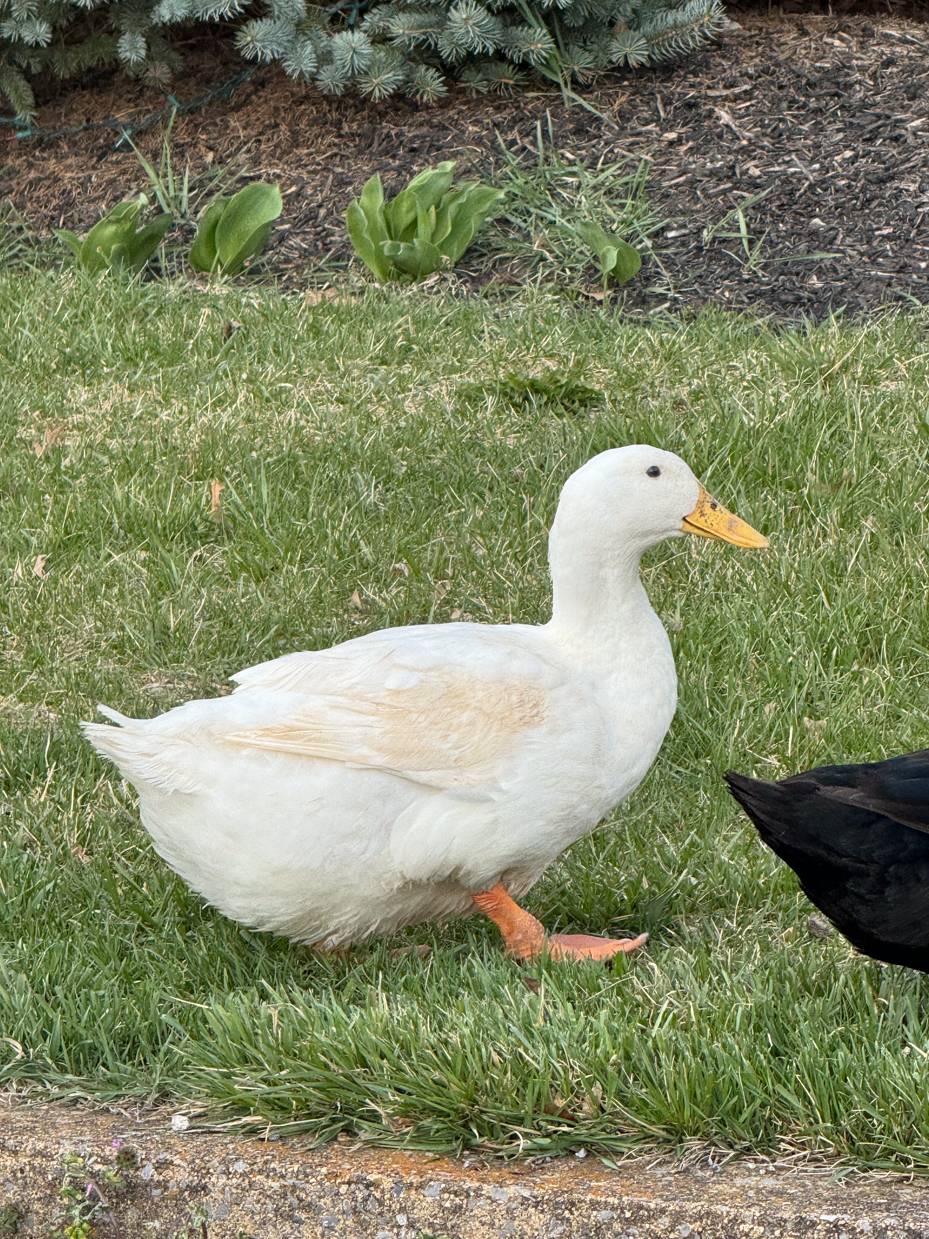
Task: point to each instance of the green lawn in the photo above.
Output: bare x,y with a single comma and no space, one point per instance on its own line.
358,435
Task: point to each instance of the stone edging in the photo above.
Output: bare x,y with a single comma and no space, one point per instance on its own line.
193,1185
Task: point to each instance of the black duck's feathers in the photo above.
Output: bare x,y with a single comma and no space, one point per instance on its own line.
898,788
857,837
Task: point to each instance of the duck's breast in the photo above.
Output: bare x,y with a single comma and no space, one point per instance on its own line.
634,683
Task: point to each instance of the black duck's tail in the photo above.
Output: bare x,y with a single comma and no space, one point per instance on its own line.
792,818
855,837
826,815
771,808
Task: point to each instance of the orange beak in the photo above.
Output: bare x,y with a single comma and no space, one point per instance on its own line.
710,519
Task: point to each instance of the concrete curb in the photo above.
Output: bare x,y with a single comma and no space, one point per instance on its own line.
205,1186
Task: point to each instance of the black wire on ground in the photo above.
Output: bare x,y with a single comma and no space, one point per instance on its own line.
127,128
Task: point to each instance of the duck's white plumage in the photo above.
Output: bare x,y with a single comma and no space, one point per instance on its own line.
351,791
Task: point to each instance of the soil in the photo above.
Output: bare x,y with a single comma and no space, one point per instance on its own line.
132,1174
826,116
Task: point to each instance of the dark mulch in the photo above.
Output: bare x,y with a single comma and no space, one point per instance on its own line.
828,114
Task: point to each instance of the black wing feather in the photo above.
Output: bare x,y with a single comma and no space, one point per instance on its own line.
897,788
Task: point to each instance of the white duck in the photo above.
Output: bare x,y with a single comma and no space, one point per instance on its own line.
416,773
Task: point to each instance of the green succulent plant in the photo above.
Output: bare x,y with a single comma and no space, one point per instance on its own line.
233,230
114,244
425,228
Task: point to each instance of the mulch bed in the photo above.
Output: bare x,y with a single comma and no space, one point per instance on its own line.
828,116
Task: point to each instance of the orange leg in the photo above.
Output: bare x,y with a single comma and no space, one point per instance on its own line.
525,938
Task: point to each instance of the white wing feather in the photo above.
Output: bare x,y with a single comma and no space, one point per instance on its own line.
411,702
445,707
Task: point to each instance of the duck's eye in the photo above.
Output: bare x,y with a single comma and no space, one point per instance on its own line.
653,472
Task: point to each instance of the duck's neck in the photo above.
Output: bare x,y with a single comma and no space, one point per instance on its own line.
597,593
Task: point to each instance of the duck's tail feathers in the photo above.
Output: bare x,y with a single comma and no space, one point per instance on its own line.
141,756
114,715
749,791
769,807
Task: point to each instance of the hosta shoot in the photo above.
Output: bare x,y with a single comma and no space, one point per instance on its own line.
114,244
235,230
617,259
425,228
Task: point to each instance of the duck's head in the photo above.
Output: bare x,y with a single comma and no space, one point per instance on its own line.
635,497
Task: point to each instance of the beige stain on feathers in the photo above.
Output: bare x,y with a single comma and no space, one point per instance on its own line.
453,731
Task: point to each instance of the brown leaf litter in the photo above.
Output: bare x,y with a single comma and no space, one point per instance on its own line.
819,123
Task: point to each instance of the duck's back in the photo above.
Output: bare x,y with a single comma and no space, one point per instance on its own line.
856,836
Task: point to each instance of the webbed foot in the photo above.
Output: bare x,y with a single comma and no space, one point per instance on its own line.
524,937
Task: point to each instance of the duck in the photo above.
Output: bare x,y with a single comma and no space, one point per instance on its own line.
431,771
857,837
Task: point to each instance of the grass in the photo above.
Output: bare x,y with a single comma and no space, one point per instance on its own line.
548,196
382,466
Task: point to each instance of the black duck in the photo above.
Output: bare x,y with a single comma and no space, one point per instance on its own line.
857,837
